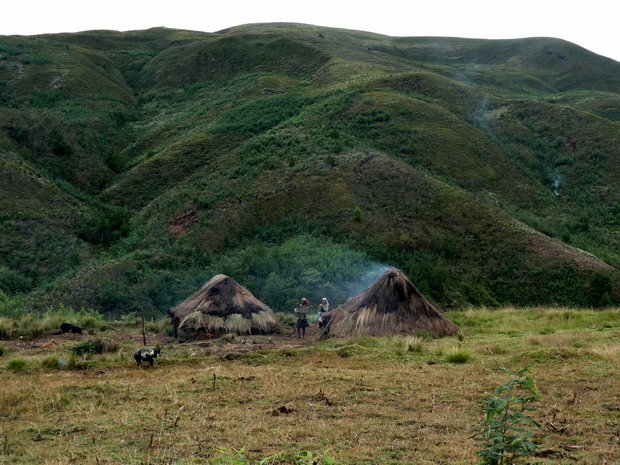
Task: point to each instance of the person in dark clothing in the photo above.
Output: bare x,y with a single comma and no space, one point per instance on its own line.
302,317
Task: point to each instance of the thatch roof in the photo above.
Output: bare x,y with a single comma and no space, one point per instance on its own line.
390,306
222,305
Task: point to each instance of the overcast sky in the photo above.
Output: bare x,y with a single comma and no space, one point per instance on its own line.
592,24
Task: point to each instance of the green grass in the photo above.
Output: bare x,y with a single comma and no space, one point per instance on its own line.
458,355
17,364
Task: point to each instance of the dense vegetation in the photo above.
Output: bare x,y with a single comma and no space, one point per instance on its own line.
302,161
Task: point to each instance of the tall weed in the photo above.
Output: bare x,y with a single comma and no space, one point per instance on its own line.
504,433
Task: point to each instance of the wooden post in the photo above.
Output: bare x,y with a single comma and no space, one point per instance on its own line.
143,329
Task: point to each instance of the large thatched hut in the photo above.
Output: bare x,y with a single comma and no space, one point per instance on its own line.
222,306
392,305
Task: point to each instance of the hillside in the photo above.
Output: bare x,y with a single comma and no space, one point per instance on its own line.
302,161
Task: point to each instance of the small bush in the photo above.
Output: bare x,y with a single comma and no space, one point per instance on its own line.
17,364
503,432
82,348
99,345
158,326
287,319
52,321
50,361
7,328
104,345
230,338
74,363
458,356
30,327
357,214
415,346
89,323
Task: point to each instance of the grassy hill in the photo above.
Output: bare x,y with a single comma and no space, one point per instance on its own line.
301,161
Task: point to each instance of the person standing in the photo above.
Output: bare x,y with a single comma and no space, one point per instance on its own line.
323,307
302,317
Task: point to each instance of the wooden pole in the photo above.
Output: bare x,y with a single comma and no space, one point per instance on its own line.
143,329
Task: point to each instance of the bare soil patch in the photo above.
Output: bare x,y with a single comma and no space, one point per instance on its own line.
216,346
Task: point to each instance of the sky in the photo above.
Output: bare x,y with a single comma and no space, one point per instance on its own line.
592,25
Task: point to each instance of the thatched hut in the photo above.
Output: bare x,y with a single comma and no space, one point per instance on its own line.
222,306
392,305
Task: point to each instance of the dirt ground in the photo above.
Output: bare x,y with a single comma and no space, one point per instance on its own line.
215,346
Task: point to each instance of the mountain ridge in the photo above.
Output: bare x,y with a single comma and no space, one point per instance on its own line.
185,154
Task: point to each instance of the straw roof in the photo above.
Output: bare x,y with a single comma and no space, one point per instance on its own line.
222,305
390,306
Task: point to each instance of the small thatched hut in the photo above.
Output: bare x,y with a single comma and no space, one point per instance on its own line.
222,306
390,306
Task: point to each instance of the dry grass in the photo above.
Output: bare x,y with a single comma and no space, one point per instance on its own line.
364,401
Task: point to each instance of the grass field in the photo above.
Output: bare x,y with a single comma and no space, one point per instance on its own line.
362,401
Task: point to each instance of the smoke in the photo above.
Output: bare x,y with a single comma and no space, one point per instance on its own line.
482,115
369,276
557,182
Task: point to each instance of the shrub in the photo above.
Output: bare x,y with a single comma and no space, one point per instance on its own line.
104,345
74,363
82,348
259,115
7,328
52,321
17,364
357,214
89,323
50,361
12,282
415,344
158,326
31,327
99,345
502,432
286,319
458,356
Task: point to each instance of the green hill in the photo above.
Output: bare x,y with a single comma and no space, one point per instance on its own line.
302,161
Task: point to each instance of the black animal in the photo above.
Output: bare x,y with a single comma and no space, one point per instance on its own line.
146,355
69,328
